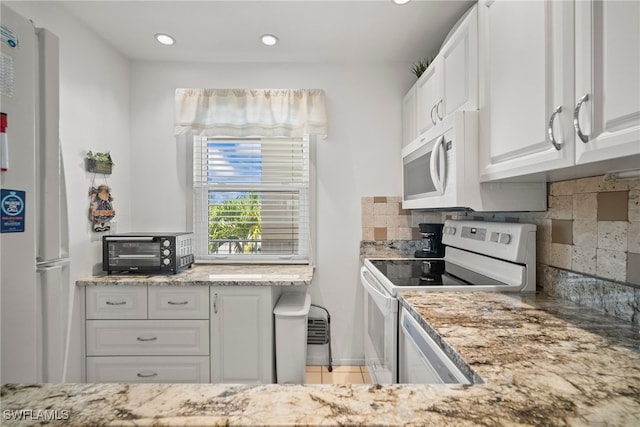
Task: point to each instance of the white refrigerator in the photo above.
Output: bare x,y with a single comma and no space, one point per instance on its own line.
36,292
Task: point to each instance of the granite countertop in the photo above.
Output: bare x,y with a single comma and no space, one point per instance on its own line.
214,274
543,362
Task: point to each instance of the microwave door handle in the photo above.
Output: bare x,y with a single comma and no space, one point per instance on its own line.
442,157
435,157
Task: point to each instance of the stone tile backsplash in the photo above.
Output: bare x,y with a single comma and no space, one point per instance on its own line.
592,226
384,219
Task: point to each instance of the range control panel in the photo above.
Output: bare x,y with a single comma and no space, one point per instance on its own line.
503,240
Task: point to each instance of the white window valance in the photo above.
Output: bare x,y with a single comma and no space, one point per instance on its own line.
250,112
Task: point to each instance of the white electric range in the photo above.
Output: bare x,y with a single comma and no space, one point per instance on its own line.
479,255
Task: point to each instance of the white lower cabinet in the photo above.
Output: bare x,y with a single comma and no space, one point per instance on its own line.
180,334
147,334
160,369
242,334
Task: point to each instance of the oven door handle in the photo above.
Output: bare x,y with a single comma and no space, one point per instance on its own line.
384,301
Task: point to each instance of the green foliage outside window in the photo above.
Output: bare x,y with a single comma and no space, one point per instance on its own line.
236,222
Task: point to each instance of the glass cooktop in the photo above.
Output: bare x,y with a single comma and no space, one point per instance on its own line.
429,272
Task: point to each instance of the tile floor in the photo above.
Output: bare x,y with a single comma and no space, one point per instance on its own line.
319,374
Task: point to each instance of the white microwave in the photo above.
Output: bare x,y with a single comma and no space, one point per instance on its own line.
440,171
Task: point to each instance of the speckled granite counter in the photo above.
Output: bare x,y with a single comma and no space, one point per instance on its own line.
214,274
543,361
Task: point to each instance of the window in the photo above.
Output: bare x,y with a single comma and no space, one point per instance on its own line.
251,199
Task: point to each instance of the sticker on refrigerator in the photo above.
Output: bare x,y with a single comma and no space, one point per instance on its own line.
6,74
8,36
13,211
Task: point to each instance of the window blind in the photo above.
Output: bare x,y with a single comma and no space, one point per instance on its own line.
251,199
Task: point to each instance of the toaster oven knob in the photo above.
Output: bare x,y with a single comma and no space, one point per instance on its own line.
166,243
166,261
166,252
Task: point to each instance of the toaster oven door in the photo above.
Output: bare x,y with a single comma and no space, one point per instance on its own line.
133,254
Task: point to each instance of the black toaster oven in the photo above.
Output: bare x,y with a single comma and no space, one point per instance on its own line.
147,252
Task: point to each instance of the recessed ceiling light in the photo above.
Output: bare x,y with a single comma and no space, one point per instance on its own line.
269,39
401,2
165,39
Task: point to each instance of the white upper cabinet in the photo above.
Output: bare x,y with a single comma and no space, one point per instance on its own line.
607,80
450,83
459,66
526,89
559,88
410,116
429,99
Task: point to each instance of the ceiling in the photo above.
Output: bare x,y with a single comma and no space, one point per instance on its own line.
309,31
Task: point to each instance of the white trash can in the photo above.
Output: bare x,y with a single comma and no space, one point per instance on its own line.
291,311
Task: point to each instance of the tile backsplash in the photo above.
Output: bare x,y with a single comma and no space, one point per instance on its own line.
591,226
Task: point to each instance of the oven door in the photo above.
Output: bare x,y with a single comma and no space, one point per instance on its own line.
380,330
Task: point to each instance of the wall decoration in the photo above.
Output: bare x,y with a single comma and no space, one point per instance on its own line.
101,210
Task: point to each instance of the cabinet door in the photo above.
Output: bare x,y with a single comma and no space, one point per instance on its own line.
410,116
241,335
428,92
526,74
460,66
608,74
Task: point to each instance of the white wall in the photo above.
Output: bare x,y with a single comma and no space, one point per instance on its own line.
359,158
94,115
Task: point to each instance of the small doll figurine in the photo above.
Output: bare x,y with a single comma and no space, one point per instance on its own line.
100,210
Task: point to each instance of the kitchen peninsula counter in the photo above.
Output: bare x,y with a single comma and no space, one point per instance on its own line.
214,274
543,361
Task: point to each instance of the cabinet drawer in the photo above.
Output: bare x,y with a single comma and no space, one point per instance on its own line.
145,369
178,302
147,337
116,302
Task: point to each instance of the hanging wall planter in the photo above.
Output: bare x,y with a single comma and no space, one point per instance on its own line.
99,163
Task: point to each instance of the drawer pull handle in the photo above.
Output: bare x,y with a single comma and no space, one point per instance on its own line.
145,375
147,339
178,302
116,302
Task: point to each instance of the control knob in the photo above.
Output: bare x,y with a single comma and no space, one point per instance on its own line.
166,261
166,252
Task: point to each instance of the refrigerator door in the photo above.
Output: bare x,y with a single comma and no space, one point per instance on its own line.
35,285
51,209
18,291
55,303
